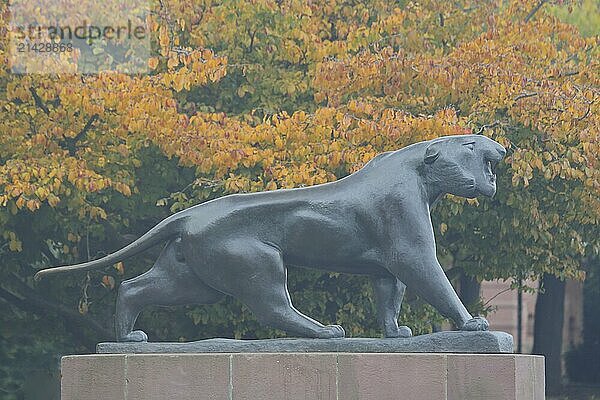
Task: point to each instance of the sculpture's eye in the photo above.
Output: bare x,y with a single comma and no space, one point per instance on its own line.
470,146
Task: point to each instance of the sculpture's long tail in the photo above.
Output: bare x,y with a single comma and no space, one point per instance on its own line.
165,230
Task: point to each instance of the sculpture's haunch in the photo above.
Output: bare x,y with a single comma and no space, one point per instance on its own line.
375,222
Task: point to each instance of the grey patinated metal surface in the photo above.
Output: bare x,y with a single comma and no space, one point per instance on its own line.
375,222
440,342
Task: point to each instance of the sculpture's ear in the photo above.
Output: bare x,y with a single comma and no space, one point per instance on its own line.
432,153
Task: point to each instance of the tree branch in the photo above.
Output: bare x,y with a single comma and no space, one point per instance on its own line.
488,126
525,95
589,108
70,143
17,301
38,101
26,306
32,301
535,9
570,73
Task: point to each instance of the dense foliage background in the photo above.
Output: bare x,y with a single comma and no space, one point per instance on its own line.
249,96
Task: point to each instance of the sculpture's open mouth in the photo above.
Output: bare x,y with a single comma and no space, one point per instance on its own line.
490,171
487,187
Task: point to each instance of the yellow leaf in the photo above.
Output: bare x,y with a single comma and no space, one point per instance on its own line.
120,268
108,282
443,228
172,62
153,63
32,205
15,245
178,82
53,200
83,306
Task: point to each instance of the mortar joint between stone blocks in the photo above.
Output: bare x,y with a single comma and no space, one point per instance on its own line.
230,387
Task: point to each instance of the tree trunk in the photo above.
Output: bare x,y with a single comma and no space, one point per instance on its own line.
520,314
548,327
470,290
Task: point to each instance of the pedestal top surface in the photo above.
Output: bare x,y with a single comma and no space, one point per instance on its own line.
439,342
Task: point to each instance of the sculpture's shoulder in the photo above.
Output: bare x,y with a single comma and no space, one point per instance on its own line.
392,171
407,157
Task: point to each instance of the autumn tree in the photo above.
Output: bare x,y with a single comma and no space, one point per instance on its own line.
251,96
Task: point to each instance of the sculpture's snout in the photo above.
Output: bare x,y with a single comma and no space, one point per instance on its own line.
495,154
501,150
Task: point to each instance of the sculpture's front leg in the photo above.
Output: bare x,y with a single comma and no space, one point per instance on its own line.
425,276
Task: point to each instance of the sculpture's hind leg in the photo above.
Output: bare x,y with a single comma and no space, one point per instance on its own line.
261,283
169,282
389,292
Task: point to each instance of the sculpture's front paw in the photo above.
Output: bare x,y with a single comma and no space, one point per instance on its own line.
401,332
476,324
331,331
135,336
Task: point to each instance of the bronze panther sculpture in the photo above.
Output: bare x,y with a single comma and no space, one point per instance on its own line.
375,222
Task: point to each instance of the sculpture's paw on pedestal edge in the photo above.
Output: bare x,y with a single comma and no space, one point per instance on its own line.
401,332
135,336
439,342
476,324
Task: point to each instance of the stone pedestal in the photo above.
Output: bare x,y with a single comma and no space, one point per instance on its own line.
439,342
303,376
